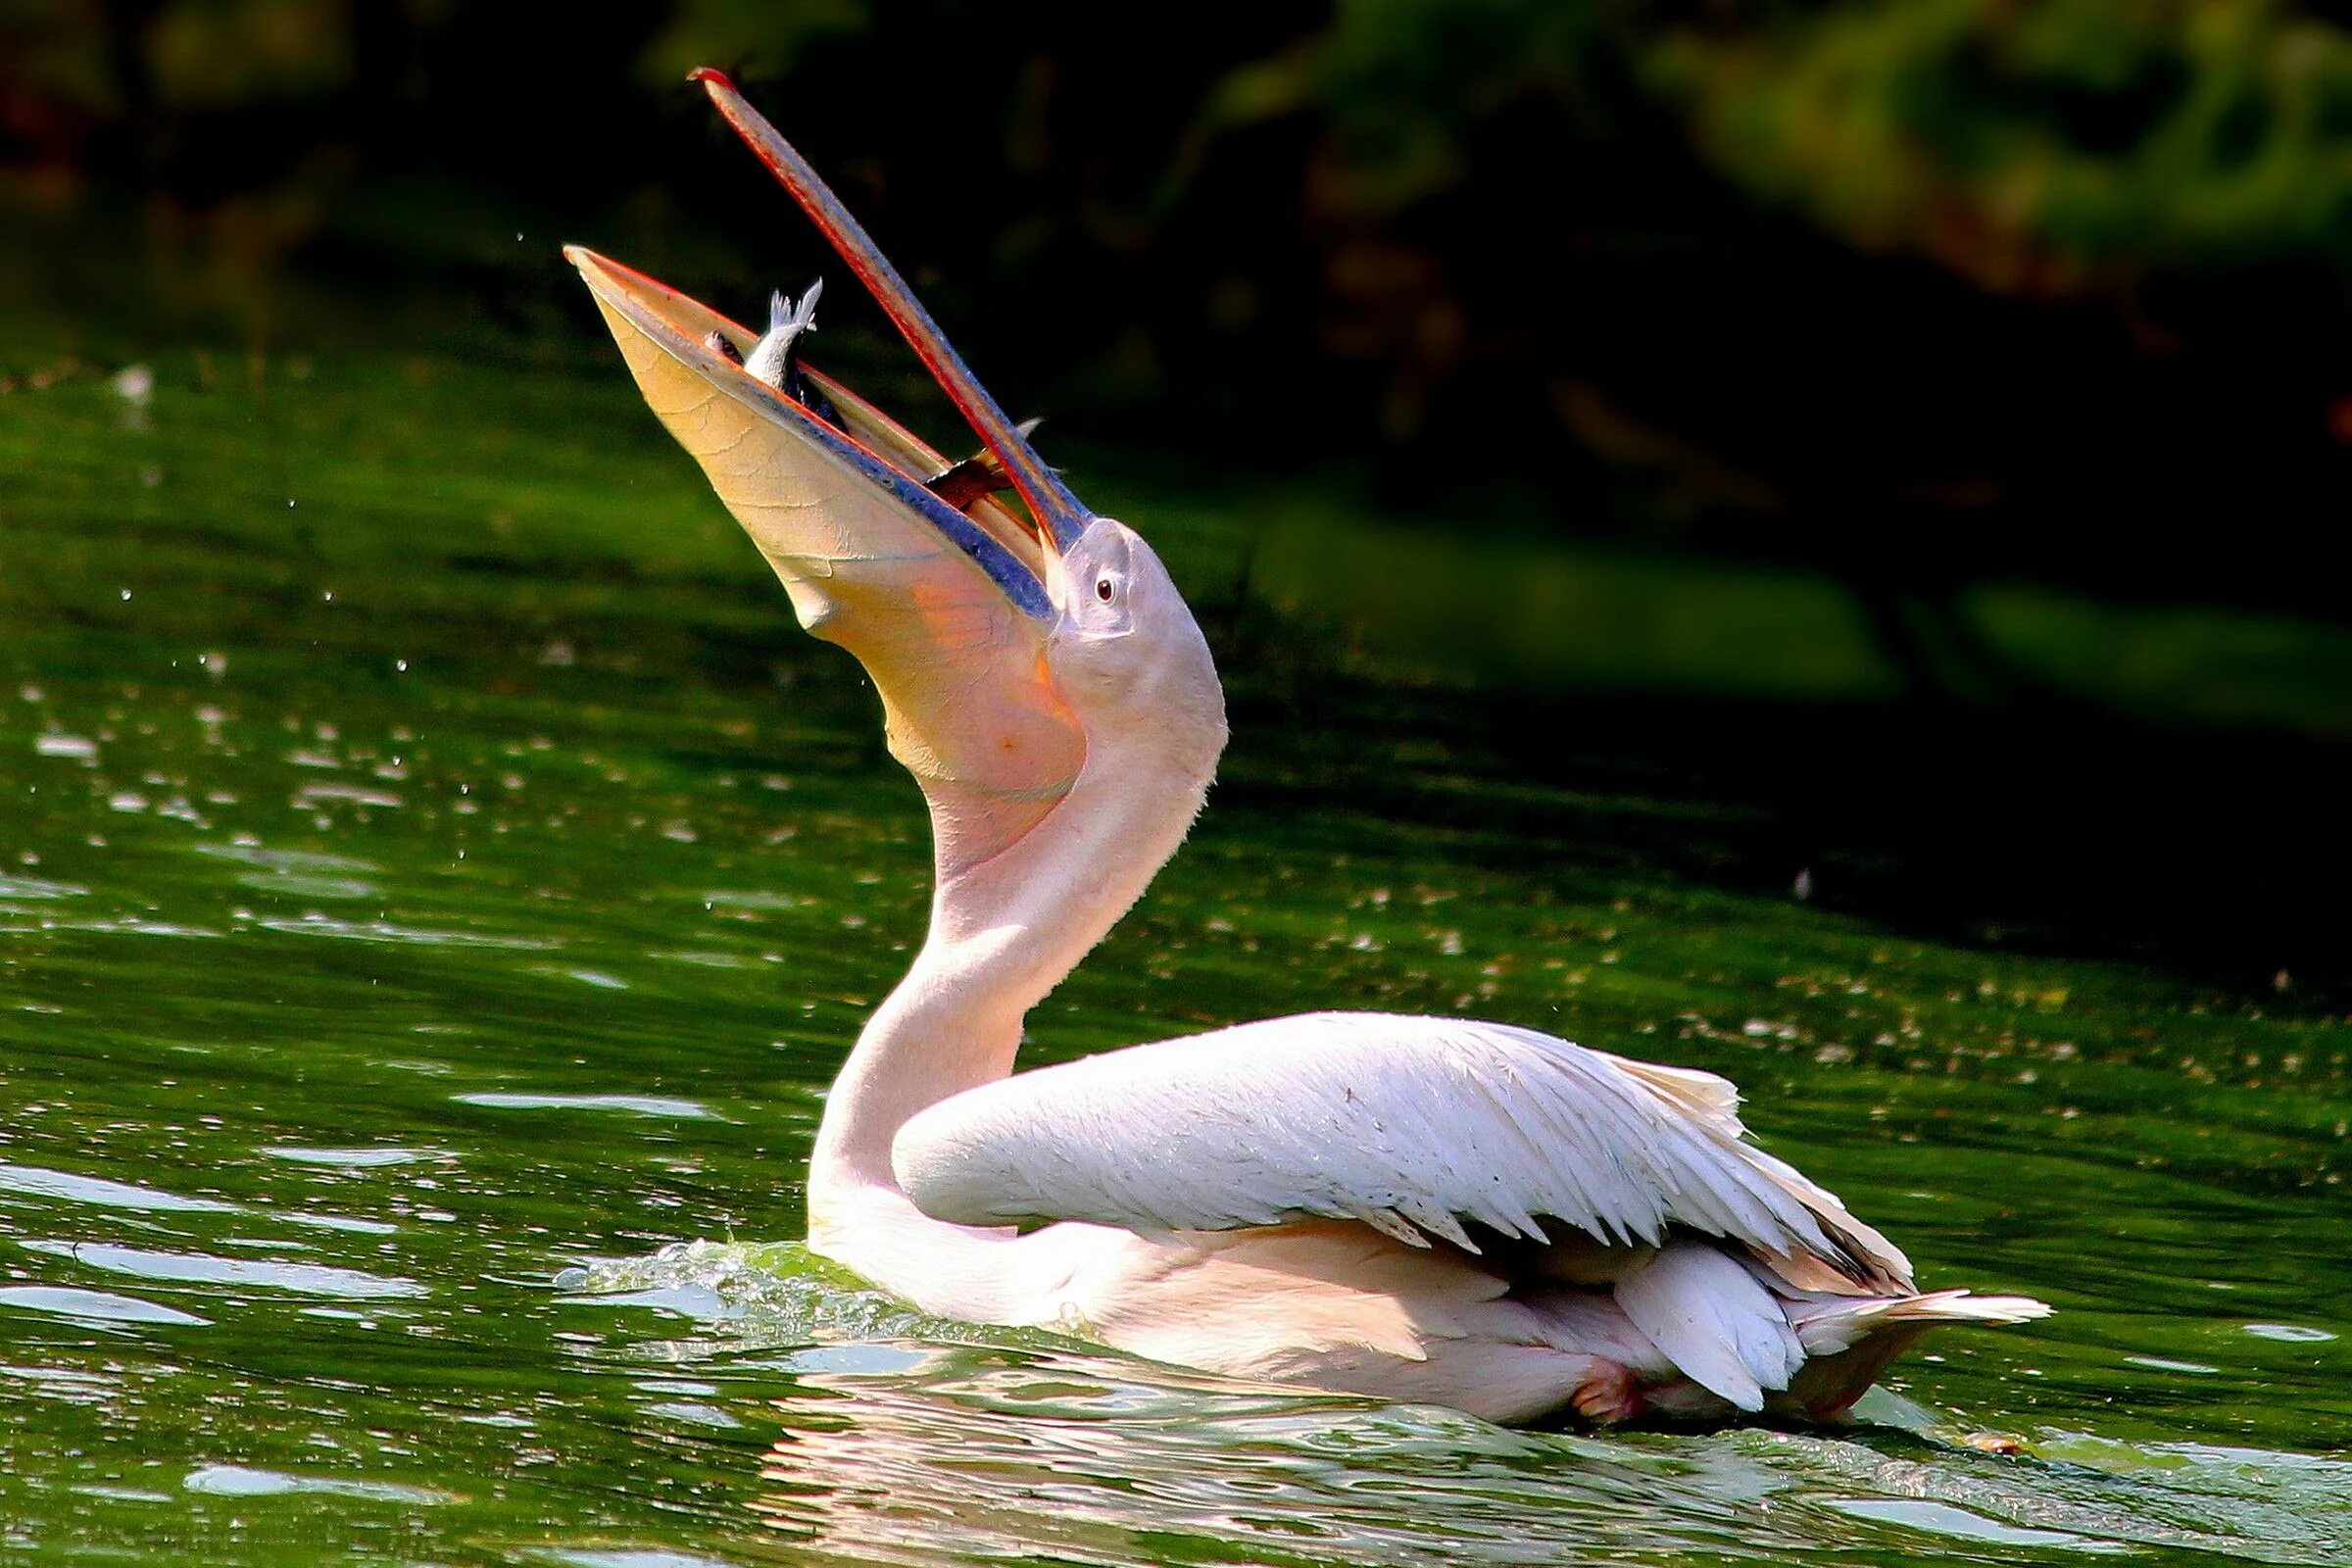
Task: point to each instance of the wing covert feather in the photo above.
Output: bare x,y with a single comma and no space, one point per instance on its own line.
1423,1127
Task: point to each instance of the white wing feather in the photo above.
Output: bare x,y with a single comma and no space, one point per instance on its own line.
1715,1320
1418,1126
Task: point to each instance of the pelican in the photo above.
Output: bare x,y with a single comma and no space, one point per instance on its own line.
1427,1209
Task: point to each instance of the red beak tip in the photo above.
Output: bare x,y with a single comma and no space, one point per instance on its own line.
710,77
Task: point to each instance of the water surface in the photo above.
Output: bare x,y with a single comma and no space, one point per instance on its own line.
437,882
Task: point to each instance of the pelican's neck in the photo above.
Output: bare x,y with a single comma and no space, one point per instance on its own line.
1004,933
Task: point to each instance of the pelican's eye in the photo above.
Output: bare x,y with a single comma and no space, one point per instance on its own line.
1098,596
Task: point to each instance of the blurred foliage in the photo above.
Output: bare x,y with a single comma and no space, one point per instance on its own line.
1927,293
1404,86
2050,146
2039,146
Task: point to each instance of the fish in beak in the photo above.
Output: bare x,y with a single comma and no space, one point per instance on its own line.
942,590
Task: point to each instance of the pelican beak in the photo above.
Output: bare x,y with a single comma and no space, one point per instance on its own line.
685,354
711,349
946,594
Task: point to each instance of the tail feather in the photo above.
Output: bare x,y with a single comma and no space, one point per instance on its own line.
1826,1327
1848,1341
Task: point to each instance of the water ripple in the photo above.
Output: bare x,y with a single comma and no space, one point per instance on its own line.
34,887
200,1269
308,863
1943,1519
103,1307
37,1182
315,924
367,1157
634,1105
246,1481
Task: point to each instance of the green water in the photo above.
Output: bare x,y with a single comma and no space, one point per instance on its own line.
439,881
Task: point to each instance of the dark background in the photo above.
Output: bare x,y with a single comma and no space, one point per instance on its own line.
1919,298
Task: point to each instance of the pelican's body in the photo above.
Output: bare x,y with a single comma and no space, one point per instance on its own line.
1462,1214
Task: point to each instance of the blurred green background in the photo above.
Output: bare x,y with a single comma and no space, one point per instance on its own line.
1923,427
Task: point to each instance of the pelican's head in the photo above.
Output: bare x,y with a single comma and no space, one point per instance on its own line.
1006,644
1125,649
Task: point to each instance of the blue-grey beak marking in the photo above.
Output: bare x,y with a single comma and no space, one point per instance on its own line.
1018,583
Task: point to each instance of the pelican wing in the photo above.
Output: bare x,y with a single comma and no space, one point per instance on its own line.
1422,1127
947,613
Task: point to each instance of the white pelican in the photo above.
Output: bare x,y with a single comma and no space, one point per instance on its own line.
1468,1214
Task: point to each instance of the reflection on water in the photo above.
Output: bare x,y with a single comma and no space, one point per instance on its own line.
400,1025
896,1447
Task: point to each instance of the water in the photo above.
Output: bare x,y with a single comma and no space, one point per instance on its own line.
436,882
